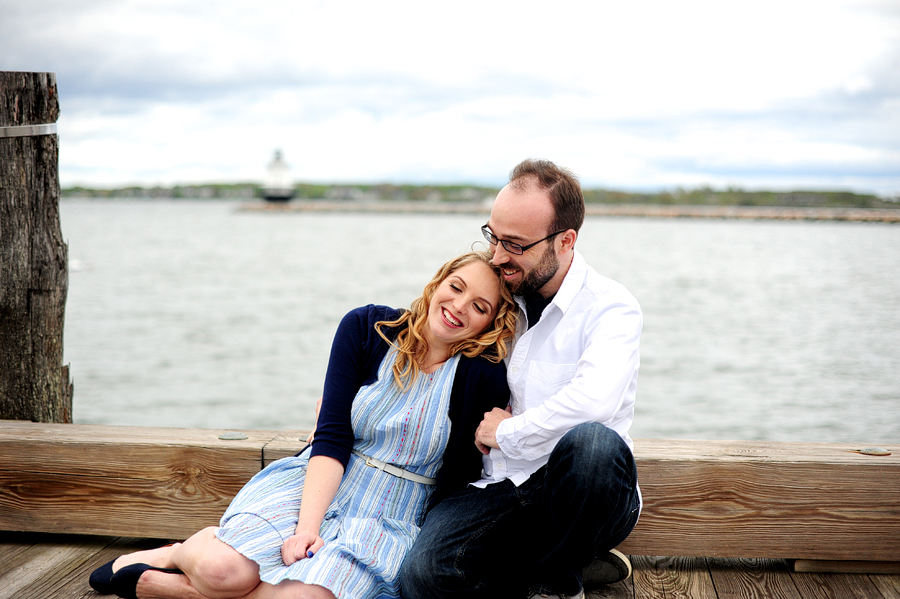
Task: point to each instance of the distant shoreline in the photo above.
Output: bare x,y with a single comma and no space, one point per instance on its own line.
627,210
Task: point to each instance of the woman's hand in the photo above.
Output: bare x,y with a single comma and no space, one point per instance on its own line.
323,477
299,546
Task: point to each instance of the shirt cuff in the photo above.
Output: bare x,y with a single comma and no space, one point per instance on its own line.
519,444
503,436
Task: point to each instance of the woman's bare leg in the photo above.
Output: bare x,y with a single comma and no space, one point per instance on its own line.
159,585
158,558
290,589
215,568
212,569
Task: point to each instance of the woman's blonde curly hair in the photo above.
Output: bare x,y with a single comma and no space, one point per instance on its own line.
411,344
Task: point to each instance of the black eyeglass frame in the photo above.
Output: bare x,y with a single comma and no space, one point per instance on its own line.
511,246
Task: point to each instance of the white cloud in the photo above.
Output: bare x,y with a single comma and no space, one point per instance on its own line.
635,95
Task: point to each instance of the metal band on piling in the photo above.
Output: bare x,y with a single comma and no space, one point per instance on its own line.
28,130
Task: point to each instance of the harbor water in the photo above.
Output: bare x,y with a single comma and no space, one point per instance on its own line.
198,314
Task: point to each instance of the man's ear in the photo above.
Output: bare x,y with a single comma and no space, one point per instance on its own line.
567,240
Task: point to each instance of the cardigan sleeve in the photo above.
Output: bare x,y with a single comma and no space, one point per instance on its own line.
479,386
356,353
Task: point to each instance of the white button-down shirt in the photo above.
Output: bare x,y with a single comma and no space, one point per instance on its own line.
578,363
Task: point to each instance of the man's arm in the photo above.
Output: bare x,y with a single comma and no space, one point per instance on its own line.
605,375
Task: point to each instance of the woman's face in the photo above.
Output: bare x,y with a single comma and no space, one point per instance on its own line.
463,305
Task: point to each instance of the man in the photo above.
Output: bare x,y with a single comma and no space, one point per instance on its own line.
559,487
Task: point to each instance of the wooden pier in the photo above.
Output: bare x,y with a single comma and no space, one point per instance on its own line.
44,566
732,519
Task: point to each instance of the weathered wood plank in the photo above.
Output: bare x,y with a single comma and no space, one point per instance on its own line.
888,586
671,577
49,567
17,550
57,566
753,579
759,499
834,586
619,590
128,481
846,567
76,585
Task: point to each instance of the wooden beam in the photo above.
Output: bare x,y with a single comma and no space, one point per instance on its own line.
283,444
762,499
123,481
805,501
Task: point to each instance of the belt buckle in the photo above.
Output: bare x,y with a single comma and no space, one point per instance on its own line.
370,463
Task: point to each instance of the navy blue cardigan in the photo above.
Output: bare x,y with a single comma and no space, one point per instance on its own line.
356,354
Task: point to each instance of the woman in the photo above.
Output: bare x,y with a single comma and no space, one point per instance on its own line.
404,392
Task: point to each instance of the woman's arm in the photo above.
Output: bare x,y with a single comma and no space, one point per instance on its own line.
356,352
323,476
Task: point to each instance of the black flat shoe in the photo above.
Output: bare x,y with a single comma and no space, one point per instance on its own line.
124,581
101,579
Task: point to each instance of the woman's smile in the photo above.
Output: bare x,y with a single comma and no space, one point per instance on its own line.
463,305
454,322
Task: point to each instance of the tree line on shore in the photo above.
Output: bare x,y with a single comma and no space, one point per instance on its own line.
470,193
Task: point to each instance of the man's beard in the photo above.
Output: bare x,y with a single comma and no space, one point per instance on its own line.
538,276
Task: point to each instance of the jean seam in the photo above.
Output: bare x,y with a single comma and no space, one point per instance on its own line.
631,520
487,526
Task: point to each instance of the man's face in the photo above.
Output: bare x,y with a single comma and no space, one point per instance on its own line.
524,216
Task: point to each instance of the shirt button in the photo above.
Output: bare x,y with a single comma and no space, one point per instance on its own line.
514,369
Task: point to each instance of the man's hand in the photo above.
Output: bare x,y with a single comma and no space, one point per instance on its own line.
486,433
312,433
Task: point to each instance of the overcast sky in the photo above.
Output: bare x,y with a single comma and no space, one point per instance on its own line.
633,95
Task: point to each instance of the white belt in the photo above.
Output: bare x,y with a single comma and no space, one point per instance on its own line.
395,470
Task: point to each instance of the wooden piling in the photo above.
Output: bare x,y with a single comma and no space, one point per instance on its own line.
34,385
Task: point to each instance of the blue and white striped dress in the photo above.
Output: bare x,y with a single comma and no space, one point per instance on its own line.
375,517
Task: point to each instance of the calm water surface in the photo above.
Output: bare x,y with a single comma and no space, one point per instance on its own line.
198,314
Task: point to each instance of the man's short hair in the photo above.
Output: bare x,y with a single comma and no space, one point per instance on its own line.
560,183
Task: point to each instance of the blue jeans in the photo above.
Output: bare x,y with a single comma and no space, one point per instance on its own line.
504,540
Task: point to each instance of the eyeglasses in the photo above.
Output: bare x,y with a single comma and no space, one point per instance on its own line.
511,246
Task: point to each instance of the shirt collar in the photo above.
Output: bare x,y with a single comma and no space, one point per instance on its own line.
572,283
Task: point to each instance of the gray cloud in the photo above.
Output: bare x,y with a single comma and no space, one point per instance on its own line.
487,109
